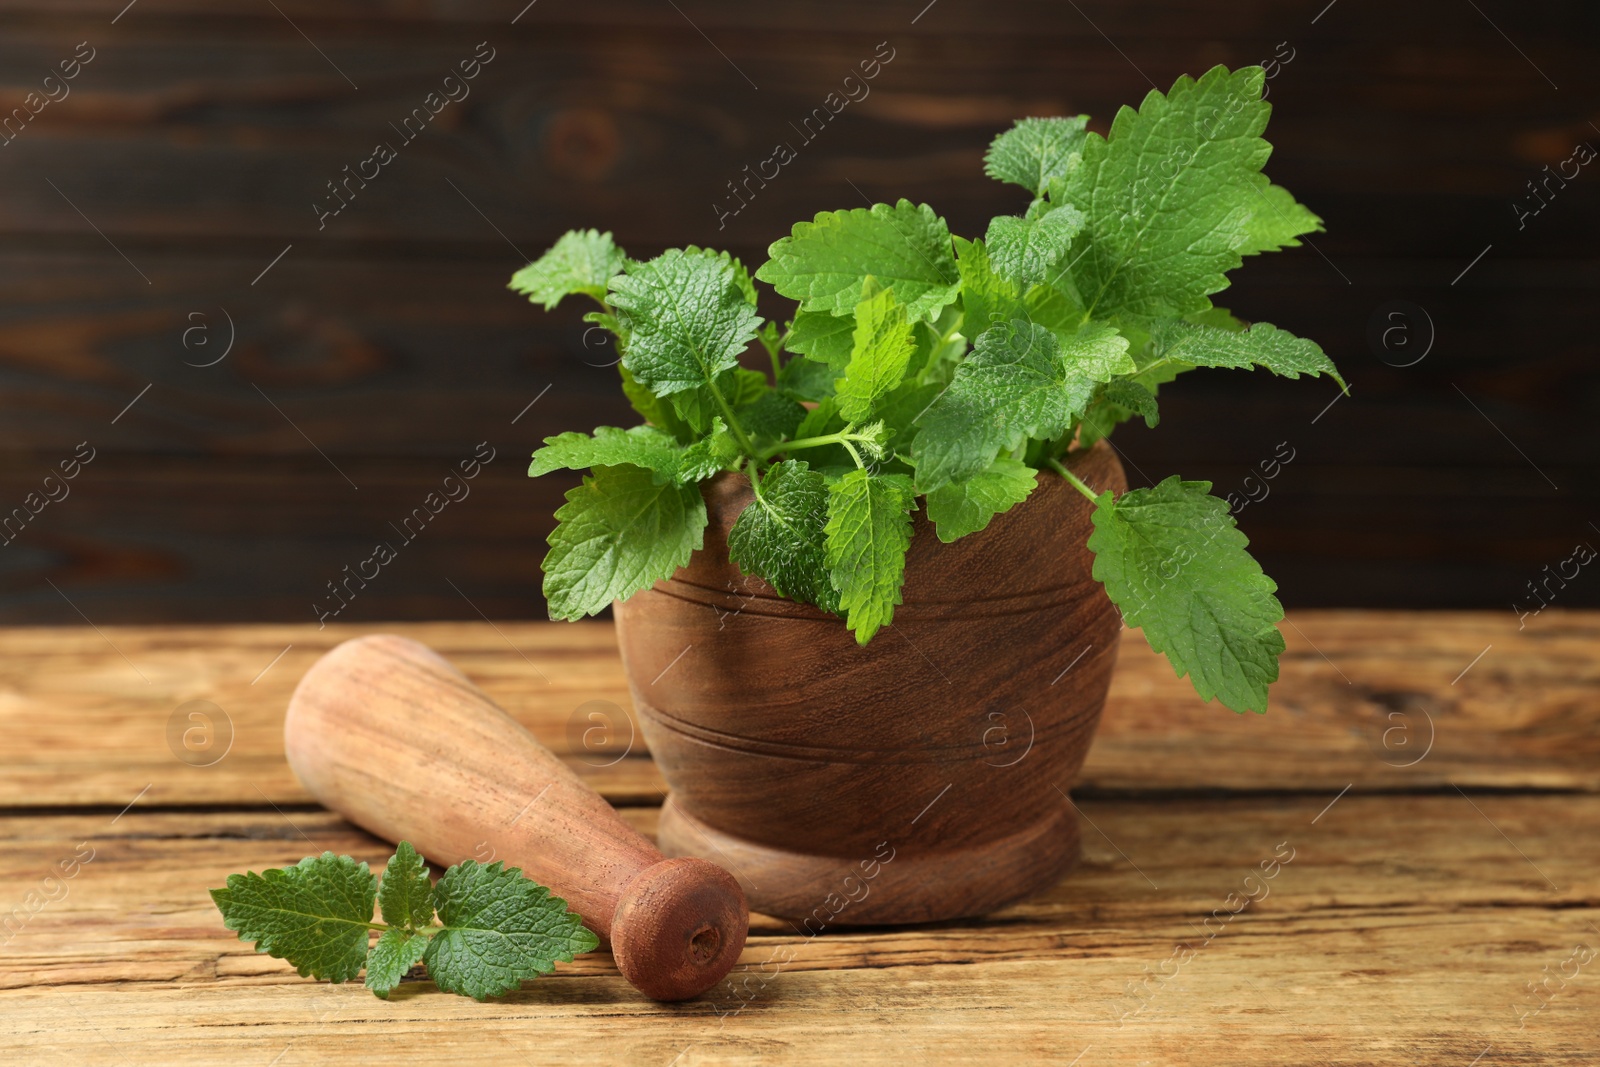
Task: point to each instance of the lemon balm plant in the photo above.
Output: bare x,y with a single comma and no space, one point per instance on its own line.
925,370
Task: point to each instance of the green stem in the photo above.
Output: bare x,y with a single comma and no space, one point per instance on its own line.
843,437
804,442
1077,483
428,930
733,423
850,448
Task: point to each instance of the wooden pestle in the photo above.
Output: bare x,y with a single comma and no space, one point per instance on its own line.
387,733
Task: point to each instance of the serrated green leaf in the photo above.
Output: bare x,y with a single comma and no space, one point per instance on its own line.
712,453
823,337
820,420
771,337
807,379
771,418
654,409
987,299
1262,345
900,410
1019,382
961,508
698,407
1220,317
582,261
907,248
742,386
1168,196
619,532
741,276
1277,222
315,914
405,895
686,318
1026,251
879,357
872,439
1116,403
1129,394
607,322
1173,561
499,928
1055,306
395,953
868,532
779,537
642,446
1034,151
941,343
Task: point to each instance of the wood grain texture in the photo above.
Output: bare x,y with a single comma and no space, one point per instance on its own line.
806,762
1251,890
394,738
198,137
1404,929
1359,698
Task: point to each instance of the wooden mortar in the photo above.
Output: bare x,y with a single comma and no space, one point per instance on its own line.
921,777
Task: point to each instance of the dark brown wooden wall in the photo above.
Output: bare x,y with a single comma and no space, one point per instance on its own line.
378,352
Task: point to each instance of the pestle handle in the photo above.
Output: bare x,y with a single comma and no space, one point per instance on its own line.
388,734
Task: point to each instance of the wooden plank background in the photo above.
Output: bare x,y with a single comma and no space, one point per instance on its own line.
380,350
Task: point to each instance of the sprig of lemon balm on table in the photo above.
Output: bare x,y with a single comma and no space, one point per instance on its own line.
495,929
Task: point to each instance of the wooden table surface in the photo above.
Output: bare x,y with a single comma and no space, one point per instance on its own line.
1434,777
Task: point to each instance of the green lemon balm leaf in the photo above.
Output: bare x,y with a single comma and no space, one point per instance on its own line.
1262,345
1034,151
642,446
1026,251
498,928
962,508
770,417
879,357
987,299
315,915
868,532
687,319
1168,196
582,261
1020,382
655,410
394,953
1116,403
714,452
1011,387
741,276
780,535
1277,222
619,532
806,379
824,337
823,263
405,896
1174,562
